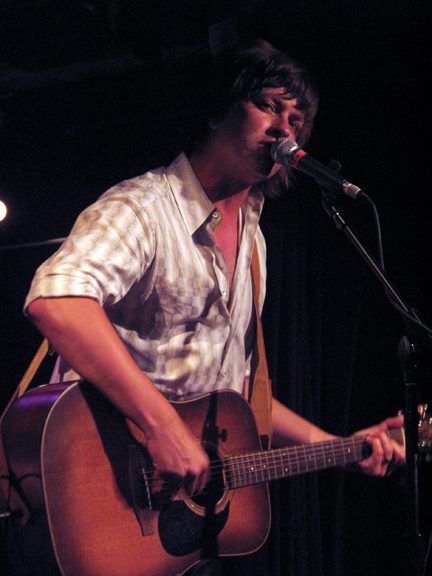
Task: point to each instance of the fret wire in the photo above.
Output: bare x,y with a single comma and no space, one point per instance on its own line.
253,468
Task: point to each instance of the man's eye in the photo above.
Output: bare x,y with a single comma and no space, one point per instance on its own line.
266,105
296,125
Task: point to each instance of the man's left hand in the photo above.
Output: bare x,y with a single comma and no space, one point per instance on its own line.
387,454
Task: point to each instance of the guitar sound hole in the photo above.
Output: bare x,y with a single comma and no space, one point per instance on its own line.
215,487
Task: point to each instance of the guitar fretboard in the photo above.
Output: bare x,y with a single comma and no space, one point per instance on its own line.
261,467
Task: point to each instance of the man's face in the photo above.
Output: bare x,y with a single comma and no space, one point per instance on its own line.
249,129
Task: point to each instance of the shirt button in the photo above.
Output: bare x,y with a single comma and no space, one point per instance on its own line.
224,292
215,214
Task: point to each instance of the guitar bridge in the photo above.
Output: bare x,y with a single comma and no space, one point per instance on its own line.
141,490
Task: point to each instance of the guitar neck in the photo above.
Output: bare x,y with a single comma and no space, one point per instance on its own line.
262,467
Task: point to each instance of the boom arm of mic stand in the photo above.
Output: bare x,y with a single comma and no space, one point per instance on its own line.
32,244
415,560
395,299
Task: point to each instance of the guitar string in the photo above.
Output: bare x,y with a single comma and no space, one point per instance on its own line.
293,460
296,453
258,467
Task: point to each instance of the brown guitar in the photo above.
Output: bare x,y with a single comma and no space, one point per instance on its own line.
84,474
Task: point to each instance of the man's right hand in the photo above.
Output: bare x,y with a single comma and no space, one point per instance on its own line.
177,453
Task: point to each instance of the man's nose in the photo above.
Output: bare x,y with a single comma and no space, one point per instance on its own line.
282,128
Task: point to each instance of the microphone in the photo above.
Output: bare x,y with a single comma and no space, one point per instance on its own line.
287,152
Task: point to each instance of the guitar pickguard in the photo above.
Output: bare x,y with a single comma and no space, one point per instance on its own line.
194,522
182,532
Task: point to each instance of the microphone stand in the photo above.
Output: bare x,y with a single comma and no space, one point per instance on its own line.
407,357
32,244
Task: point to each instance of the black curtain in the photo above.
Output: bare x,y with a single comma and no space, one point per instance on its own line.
313,322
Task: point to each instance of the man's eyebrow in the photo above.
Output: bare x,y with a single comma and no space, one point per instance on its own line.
298,114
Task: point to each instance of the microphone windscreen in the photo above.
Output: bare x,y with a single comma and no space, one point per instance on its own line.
283,149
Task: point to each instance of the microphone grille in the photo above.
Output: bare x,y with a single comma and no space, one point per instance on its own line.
283,149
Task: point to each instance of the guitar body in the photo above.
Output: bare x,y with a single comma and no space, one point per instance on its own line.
75,458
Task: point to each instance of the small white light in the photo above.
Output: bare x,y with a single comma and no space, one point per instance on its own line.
3,210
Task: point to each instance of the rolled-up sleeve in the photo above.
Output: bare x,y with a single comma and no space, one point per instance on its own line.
109,248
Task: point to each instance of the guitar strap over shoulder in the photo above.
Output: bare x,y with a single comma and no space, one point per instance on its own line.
259,392
9,498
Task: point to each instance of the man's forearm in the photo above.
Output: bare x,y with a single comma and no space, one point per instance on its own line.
290,428
80,332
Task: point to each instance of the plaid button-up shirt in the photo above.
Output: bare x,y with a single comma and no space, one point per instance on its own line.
145,251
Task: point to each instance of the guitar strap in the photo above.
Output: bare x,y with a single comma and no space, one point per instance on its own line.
259,392
9,498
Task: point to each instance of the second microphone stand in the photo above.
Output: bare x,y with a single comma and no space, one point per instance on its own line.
407,356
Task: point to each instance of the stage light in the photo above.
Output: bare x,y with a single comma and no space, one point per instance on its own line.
3,210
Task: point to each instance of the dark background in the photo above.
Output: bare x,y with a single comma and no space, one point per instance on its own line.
95,92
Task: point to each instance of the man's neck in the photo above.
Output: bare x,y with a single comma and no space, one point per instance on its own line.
221,186
227,195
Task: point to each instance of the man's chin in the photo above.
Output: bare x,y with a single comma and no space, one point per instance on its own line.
269,169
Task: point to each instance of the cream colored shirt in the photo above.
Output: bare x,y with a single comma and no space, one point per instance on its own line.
145,251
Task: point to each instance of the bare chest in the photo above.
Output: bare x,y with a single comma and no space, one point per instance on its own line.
226,237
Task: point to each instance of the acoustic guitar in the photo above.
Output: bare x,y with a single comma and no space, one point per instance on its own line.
89,483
